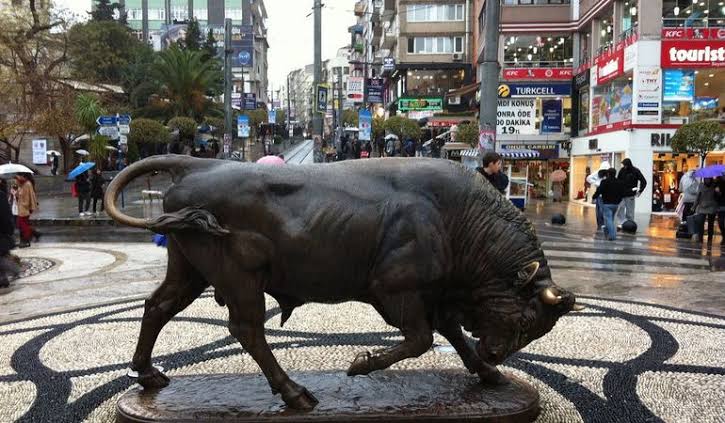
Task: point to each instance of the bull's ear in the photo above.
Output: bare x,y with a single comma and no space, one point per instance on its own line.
526,274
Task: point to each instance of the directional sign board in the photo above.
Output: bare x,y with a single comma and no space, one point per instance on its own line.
107,120
122,139
124,119
124,129
108,131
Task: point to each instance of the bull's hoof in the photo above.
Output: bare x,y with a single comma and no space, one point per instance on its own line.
361,364
298,397
492,376
152,378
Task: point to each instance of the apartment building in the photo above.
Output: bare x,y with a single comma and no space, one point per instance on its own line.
606,80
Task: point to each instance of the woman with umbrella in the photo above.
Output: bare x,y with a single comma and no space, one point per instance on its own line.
557,183
706,204
27,205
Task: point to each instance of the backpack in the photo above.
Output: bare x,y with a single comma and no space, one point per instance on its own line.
390,147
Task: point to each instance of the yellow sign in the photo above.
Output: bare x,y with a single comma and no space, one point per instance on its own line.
504,90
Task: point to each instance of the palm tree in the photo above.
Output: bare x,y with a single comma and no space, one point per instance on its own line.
87,110
185,79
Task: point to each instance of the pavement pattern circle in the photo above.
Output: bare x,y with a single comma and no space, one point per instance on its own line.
616,361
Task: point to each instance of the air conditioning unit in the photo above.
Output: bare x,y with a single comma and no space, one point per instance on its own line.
454,101
457,57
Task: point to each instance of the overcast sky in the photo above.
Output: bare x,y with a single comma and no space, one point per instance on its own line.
290,32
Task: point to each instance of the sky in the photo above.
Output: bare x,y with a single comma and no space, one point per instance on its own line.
290,32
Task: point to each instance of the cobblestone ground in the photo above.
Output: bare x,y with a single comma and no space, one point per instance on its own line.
649,347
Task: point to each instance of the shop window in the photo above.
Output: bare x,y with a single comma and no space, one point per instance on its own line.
433,82
691,95
606,34
538,51
702,13
526,2
630,19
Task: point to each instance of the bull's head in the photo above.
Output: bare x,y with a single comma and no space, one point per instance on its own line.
524,317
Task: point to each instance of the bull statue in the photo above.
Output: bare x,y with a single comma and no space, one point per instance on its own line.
428,243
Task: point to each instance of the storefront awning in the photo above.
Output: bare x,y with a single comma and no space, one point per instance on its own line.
472,152
464,90
518,154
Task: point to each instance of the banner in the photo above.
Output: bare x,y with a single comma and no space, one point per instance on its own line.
693,54
649,94
250,101
242,46
272,116
375,88
40,152
321,105
533,89
516,116
355,88
538,73
679,85
612,107
551,111
365,124
242,126
716,33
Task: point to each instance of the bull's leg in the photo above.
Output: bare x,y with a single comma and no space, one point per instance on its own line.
180,288
405,311
451,330
246,324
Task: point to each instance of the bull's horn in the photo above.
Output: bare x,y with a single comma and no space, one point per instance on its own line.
548,296
577,307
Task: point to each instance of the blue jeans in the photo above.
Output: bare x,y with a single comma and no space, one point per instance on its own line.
610,229
600,218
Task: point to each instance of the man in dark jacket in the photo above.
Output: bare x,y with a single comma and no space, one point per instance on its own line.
7,240
83,188
612,191
630,177
491,170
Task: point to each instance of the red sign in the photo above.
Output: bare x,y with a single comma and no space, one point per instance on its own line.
610,66
538,73
693,33
693,53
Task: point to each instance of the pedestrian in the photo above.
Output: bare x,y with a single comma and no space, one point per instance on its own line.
593,182
27,205
356,148
634,185
368,149
7,239
390,147
706,206
83,188
688,188
380,146
409,148
98,183
55,162
720,196
13,201
491,170
398,147
611,190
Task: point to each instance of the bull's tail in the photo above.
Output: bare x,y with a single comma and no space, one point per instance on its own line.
186,218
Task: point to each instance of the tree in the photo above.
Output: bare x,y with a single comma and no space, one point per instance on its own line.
280,118
135,77
61,122
145,135
104,10
256,118
378,127
87,110
192,39
217,125
100,51
699,137
186,127
97,149
350,118
209,48
184,80
467,133
403,128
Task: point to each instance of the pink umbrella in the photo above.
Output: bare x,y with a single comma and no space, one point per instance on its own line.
271,160
558,175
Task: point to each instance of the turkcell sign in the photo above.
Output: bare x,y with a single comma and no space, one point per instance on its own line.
535,90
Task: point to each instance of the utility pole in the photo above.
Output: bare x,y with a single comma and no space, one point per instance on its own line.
227,87
489,75
145,20
167,12
289,111
317,117
339,106
191,10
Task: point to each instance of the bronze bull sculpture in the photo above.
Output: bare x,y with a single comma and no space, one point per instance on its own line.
429,244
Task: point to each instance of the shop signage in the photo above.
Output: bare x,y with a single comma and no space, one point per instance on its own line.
407,103
40,148
679,85
355,88
272,117
612,109
421,114
693,33
242,126
532,90
375,90
552,114
581,80
546,151
538,73
661,140
486,139
321,98
388,64
693,53
649,93
630,57
593,144
516,116
365,120
609,66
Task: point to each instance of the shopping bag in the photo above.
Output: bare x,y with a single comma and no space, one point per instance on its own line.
74,190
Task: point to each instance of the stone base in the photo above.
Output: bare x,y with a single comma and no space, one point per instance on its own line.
386,396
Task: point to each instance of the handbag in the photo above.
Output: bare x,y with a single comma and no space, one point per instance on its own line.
74,189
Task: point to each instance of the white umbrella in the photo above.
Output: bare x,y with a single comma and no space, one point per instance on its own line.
53,153
82,152
391,136
112,148
82,138
13,168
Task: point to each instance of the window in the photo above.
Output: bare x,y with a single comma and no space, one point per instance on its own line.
539,50
707,13
481,21
435,45
433,82
517,2
435,12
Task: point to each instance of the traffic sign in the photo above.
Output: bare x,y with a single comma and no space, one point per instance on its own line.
124,119
122,139
124,129
107,120
108,131
321,98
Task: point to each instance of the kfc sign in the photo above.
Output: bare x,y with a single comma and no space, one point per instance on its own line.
538,73
693,33
693,54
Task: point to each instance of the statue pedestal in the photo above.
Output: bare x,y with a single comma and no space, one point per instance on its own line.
385,396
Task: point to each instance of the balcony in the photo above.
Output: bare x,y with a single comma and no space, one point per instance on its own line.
360,8
377,33
389,6
390,35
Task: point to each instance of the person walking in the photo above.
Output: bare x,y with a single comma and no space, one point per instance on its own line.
380,144
706,205
720,197
634,184
409,148
7,239
27,205
491,170
98,183
83,188
390,147
611,190
688,187
593,181
55,162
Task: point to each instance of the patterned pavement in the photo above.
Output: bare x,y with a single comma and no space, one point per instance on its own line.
622,359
